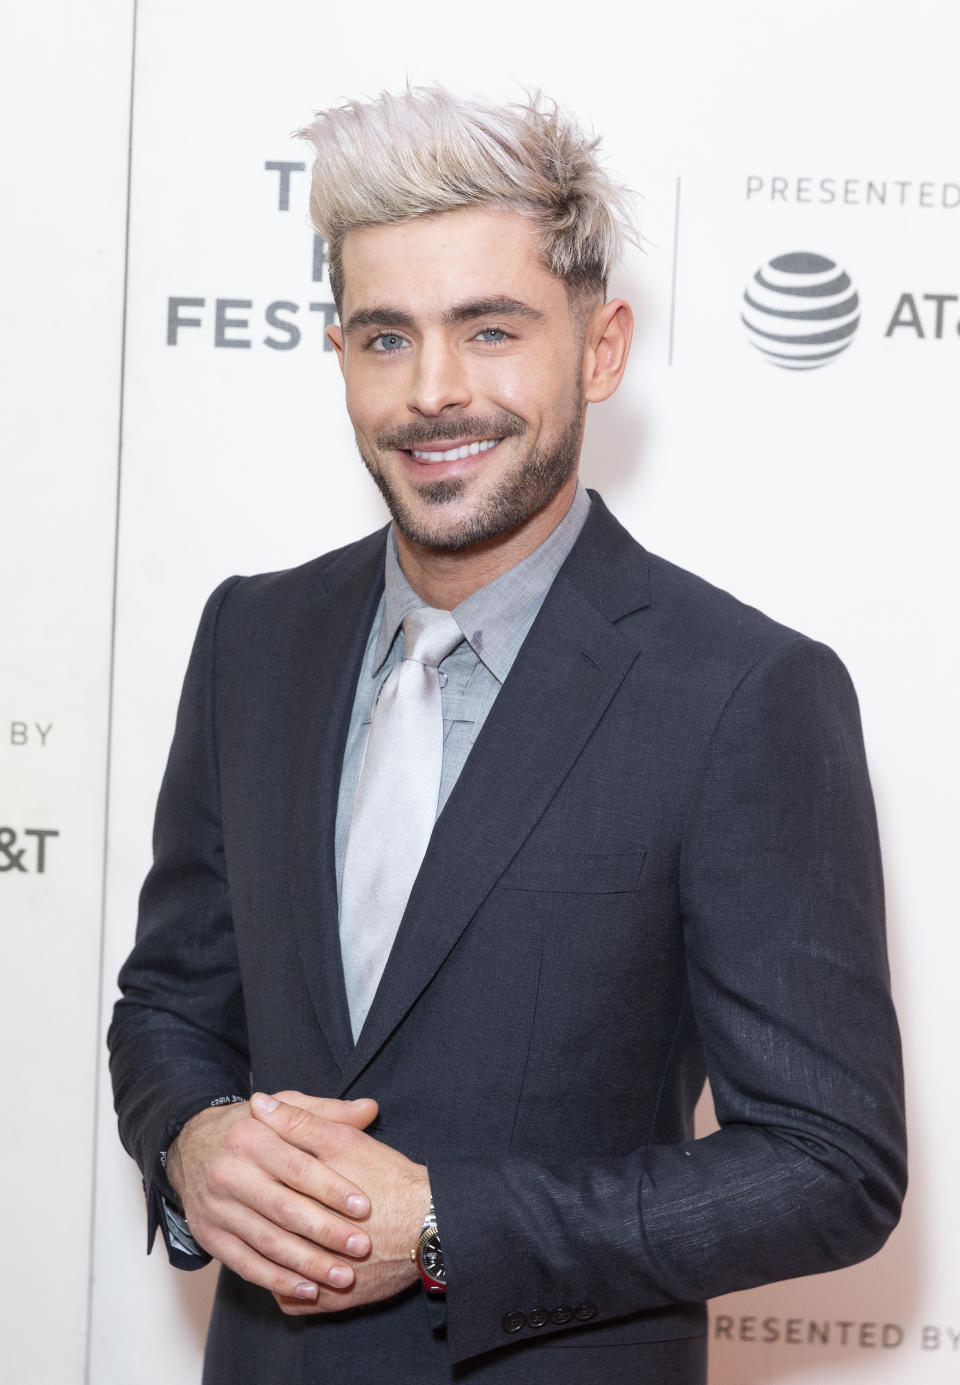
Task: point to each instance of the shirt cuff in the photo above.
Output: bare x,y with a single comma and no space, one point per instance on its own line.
178,1235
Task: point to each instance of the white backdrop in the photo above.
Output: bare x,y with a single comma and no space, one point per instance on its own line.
752,131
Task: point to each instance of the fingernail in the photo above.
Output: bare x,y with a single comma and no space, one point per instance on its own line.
357,1244
341,1276
263,1103
305,1290
357,1206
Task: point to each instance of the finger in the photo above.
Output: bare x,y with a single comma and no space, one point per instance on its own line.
327,1301
303,1125
304,1128
296,1192
312,1221
294,1254
247,1261
359,1113
298,1160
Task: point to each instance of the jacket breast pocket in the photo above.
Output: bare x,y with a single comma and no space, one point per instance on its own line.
607,872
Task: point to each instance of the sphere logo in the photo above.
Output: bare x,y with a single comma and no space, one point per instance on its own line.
800,310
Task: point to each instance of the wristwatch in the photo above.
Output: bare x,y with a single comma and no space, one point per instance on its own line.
428,1256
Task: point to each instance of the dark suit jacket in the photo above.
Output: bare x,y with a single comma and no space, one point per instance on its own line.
660,857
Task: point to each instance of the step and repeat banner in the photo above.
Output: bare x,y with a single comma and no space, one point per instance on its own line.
178,416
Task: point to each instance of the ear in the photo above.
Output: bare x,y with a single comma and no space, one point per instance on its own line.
606,347
335,338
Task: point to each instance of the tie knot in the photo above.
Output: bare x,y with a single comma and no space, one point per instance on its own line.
430,635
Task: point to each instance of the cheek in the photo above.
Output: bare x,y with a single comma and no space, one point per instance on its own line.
537,386
365,408
518,389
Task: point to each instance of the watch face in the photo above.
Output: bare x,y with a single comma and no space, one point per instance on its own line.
431,1258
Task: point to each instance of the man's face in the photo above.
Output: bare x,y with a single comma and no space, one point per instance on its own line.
463,372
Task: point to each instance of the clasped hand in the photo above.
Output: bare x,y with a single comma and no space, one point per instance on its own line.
292,1194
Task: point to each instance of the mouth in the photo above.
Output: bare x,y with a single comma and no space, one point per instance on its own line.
454,452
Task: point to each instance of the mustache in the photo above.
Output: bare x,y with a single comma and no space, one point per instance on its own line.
502,425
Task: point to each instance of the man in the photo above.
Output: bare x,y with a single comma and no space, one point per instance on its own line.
654,851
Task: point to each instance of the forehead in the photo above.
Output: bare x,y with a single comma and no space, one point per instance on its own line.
429,262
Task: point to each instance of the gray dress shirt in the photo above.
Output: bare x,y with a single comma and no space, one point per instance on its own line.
494,620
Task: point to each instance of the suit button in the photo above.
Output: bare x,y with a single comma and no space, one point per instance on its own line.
585,1311
561,1315
538,1317
514,1321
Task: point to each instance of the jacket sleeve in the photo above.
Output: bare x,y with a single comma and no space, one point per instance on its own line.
782,911
178,1039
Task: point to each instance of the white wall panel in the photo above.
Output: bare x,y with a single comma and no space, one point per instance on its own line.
64,104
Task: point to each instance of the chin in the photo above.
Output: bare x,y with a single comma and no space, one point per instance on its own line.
442,515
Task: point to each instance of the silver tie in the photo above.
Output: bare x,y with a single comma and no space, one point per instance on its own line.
395,806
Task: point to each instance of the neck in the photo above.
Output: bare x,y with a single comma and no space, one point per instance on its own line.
445,577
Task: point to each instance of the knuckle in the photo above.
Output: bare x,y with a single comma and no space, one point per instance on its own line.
280,1285
286,1211
324,1232
298,1167
297,1117
316,1267
237,1137
269,1243
218,1176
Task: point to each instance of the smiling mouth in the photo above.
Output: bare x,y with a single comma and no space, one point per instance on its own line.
454,454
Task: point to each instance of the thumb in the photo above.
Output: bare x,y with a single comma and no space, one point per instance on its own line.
358,1112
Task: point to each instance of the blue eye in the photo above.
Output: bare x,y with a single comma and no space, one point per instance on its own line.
388,341
492,334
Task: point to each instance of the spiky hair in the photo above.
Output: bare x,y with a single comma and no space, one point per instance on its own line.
427,151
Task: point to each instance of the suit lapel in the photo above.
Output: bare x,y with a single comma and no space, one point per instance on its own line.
571,665
328,647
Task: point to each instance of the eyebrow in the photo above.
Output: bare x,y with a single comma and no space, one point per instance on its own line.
490,307
460,312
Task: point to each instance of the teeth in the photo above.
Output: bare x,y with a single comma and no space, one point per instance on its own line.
456,454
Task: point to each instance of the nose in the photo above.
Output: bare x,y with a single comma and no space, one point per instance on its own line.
439,379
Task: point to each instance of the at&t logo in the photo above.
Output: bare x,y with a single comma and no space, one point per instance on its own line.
24,856
800,310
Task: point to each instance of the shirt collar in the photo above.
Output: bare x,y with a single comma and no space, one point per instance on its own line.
494,620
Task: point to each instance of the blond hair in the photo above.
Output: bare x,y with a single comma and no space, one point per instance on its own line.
426,151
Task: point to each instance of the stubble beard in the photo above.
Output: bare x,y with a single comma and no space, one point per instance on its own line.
533,482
